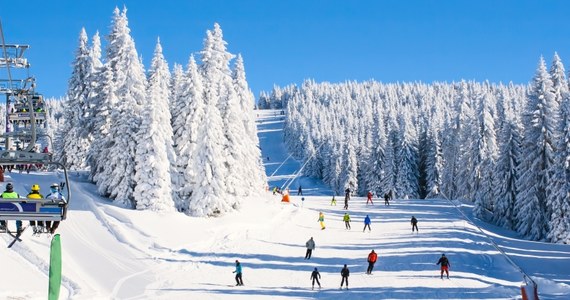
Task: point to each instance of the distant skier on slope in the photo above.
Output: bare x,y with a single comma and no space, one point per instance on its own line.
387,199
346,220
414,222
300,191
315,276
239,280
322,220
445,264
310,244
369,198
367,222
344,273
333,201
346,197
372,257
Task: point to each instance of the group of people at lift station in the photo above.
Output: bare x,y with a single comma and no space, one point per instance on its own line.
38,226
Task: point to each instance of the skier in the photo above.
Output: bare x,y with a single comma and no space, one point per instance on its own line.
322,220
239,280
346,220
315,276
333,201
445,264
54,194
367,223
344,273
10,194
35,194
372,257
346,197
310,244
274,190
415,224
369,198
300,191
387,199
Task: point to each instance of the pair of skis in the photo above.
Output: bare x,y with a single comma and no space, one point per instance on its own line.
15,236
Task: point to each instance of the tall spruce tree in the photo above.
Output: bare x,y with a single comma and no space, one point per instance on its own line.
187,126
117,179
538,156
153,190
75,145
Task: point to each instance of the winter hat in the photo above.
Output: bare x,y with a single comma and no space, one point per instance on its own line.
9,187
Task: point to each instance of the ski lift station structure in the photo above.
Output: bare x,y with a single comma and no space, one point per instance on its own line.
25,113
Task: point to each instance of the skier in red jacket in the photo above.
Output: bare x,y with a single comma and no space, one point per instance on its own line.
369,198
372,257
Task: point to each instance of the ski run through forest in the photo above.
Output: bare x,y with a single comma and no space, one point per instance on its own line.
184,145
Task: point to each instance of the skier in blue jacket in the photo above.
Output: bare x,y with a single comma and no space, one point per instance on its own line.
239,280
367,223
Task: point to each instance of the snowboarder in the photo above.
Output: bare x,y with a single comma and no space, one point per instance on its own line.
387,199
322,220
415,224
369,198
54,194
344,273
10,194
346,220
333,201
315,276
35,194
310,244
239,280
372,257
445,264
367,223
300,191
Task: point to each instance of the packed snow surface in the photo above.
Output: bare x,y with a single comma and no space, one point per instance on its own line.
115,253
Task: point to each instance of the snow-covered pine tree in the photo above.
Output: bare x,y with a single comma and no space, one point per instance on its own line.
75,145
407,164
485,148
153,190
176,82
465,127
506,169
559,188
187,125
537,156
117,177
434,162
254,178
210,195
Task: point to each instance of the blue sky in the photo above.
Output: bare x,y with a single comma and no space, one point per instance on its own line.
285,42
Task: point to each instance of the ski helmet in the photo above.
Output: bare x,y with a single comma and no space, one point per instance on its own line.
35,187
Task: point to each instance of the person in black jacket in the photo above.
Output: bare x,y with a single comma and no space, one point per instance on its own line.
315,276
415,224
344,273
445,264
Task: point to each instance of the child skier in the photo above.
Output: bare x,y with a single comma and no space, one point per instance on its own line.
346,220
322,220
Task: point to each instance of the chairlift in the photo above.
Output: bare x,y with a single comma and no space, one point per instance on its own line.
25,107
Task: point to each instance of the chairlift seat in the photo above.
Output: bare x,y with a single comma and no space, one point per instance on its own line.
33,209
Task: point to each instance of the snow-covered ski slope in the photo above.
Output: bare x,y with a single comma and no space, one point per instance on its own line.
114,253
